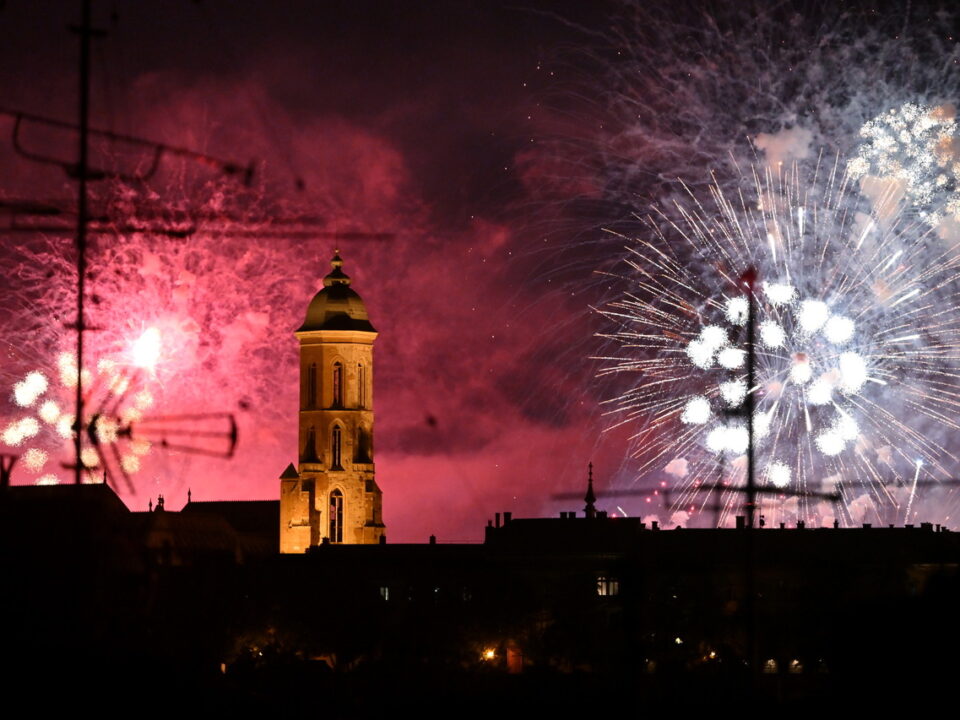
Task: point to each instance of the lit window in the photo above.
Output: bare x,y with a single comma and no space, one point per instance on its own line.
796,667
385,593
336,517
607,586
336,441
337,384
770,667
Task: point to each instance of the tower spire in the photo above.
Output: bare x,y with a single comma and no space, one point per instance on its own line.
590,510
336,276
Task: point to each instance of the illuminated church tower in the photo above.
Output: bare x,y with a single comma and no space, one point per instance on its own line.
332,496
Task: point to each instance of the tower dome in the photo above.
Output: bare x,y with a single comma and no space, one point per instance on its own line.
337,306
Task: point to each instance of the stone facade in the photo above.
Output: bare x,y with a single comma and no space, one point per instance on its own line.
332,495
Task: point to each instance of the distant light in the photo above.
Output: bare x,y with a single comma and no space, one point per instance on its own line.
678,641
489,654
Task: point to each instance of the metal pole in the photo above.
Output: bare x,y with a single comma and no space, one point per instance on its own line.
82,229
749,278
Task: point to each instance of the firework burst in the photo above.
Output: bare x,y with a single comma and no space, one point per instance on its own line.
857,352
916,147
118,394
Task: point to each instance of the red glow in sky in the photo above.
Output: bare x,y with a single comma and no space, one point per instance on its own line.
422,126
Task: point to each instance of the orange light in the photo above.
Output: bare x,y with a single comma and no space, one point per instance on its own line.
489,654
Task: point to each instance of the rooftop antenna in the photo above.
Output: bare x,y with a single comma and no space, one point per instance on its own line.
85,31
40,217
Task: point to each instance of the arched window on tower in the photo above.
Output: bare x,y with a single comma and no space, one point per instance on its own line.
337,384
312,386
336,444
336,517
361,385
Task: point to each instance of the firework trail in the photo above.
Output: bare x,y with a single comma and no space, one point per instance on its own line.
858,352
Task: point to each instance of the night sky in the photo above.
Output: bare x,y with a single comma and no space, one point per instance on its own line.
423,120
495,144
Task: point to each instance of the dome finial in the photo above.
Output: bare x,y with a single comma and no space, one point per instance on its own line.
336,276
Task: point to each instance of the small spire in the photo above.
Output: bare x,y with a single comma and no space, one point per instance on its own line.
189,495
336,276
590,510
150,505
160,503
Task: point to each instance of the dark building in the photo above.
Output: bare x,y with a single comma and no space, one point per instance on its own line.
203,595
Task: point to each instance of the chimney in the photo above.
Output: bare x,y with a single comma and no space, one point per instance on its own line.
741,522
383,539
507,517
654,525
867,526
801,524
433,539
497,516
